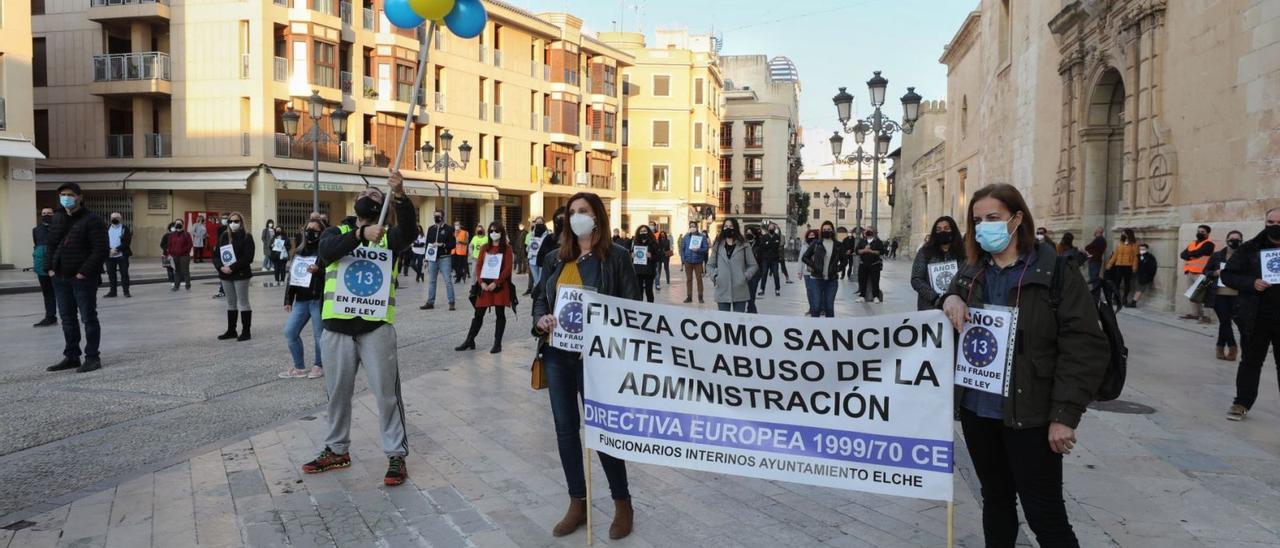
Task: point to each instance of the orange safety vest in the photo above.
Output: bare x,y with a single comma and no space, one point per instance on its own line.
460,248
1196,265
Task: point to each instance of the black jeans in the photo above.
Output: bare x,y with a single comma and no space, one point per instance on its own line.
279,270
78,303
646,286
1122,276
1013,464
664,265
564,384
1225,307
118,264
1265,334
50,303
770,267
869,281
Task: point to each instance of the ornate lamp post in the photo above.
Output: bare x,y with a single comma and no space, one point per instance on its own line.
876,125
836,200
315,111
445,163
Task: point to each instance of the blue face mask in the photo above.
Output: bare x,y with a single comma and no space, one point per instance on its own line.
67,202
993,236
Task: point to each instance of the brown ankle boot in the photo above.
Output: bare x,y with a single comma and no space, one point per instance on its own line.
622,518
1231,354
574,518
1222,353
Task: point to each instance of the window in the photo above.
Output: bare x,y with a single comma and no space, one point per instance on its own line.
661,133
817,214
626,176
697,179
726,169
37,7
697,135
698,85
42,131
39,63
726,195
817,194
755,168
326,59
752,205
626,133
661,86
661,178
840,214
404,82
755,135
726,134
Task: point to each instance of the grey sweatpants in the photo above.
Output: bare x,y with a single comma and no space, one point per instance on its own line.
343,355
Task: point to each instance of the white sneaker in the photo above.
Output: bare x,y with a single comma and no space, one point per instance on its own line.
859,300
293,374
879,299
316,372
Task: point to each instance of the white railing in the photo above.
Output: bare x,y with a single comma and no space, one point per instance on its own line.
535,69
101,3
546,124
344,81
496,171
344,11
150,65
366,18
244,66
484,111
546,73
497,58
245,144
484,53
120,145
439,101
497,114
159,145
533,121
280,67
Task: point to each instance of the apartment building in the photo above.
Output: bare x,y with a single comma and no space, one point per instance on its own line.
827,187
760,139
670,131
17,148
166,109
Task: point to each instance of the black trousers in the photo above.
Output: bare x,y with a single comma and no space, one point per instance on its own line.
646,285
1013,464
1264,335
50,303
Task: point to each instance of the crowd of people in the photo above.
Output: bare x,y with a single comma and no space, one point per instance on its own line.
1001,258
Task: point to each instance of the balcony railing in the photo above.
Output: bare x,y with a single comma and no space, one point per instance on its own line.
366,18
244,66
439,101
497,114
102,3
533,121
302,150
535,69
284,3
344,11
496,170
755,174
546,124
344,81
754,142
280,69
484,54
377,158
120,145
484,111
159,145
726,141
150,65
546,72
497,58
246,144
586,85
752,208
2,122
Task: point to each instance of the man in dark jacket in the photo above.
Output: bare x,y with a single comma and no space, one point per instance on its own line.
119,240
440,242
771,254
1147,267
1257,309
76,249
871,251
39,235
1095,251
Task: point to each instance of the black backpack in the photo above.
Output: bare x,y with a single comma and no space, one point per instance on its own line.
1118,364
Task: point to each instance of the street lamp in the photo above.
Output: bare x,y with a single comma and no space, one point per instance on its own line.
315,111
445,163
877,126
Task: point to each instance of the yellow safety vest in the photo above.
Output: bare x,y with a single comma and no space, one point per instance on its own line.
331,288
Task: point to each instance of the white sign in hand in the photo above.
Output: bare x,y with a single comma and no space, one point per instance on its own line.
492,269
569,309
228,254
984,360
695,243
640,255
941,274
300,273
1270,261
433,252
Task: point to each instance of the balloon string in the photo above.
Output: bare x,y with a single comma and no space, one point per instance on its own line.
423,51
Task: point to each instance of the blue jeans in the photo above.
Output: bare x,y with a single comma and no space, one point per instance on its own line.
811,293
444,267
564,385
78,303
303,311
824,292
1094,270
740,306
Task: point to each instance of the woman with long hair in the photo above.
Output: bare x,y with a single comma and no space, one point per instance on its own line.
235,270
825,264
646,267
1123,263
490,290
1016,442
303,304
1068,250
586,257
732,267
943,245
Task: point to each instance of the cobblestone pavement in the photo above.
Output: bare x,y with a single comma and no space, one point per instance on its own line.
183,441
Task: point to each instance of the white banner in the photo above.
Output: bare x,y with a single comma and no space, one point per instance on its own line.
492,268
364,283
984,361
567,335
940,275
1270,261
860,403
299,272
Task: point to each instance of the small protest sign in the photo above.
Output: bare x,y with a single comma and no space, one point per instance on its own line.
492,268
433,252
228,254
299,273
984,360
1270,261
940,275
695,243
640,255
567,335
364,283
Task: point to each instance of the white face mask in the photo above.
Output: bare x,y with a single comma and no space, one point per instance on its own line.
233,225
582,224
495,236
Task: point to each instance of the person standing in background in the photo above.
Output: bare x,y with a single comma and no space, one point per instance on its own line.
1121,265
178,249
732,266
442,237
662,256
419,252
280,247
268,235
944,244
39,235
462,241
1094,253
303,303
198,234
1257,311
771,255
1146,275
519,251
479,239
1197,256
1067,248
824,263
119,238
235,276
492,292
1224,297
534,242
871,254
77,245
693,255
647,267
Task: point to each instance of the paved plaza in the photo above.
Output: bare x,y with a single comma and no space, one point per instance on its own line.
182,440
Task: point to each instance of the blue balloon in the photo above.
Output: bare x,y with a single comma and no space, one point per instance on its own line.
401,14
467,18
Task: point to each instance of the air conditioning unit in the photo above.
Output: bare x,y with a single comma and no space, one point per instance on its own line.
582,179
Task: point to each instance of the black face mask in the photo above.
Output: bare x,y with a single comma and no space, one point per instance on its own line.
1272,232
827,234
179,227
730,232
1200,236
115,221
540,229
313,236
47,219
367,208
439,219
943,238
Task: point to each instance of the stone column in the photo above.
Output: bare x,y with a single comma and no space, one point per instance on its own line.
1094,145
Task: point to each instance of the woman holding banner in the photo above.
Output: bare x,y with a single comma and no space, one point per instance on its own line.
1017,441
732,267
825,264
493,287
936,263
588,258
642,256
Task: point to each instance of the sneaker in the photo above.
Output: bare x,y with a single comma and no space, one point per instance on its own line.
45,322
859,300
451,307
427,306
292,373
328,460
1237,412
317,372
174,288
397,472
110,295
688,299
777,293
65,364
90,364
127,295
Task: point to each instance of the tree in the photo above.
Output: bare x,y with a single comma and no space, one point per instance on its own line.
800,208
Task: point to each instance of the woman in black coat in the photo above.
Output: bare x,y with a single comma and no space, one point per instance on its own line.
646,266
234,260
944,245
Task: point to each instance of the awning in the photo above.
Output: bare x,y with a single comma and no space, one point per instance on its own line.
297,179
105,180
189,180
19,148
419,187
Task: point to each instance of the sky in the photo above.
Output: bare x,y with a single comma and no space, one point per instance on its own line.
833,43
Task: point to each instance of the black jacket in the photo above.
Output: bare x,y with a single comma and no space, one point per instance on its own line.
242,242
771,246
334,245
441,234
872,259
654,247
815,257
77,244
617,279
1241,272
1147,266
126,240
926,298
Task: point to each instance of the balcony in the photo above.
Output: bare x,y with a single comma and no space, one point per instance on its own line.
755,174
370,90
495,169
120,145
726,141
439,101
533,121
147,73
366,18
244,66
484,111
337,152
484,54
752,208
344,11
156,11
344,82
159,145
546,124
280,69
754,141
497,114
246,144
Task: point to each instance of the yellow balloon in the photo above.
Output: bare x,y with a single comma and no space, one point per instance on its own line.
432,9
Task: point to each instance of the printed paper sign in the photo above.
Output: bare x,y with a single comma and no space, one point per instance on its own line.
534,245
695,243
861,403
567,335
940,275
984,361
1270,261
1191,290
228,254
433,251
640,255
492,267
1221,267
299,274
364,283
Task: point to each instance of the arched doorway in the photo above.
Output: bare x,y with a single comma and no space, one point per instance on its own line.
1103,140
